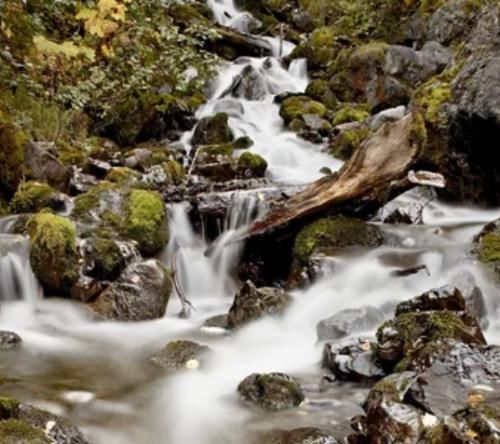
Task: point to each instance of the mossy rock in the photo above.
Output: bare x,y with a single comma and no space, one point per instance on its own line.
346,142
9,407
175,171
297,106
350,113
319,89
13,431
487,247
12,148
252,164
328,236
4,208
107,259
33,196
53,252
213,130
123,176
146,221
97,201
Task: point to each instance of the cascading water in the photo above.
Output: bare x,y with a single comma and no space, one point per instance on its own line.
97,374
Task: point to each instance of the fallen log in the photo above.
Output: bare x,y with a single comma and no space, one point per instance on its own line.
376,173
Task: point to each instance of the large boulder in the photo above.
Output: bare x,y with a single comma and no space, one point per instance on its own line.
34,196
53,251
443,298
141,293
349,321
213,130
271,391
252,303
250,84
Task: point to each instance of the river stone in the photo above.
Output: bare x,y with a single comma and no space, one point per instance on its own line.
9,340
388,115
217,321
352,360
271,391
444,298
232,107
306,435
348,321
475,302
179,355
250,84
445,386
213,130
252,303
141,293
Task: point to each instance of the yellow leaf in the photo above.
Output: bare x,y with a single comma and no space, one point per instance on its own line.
66,49
107,51
87,14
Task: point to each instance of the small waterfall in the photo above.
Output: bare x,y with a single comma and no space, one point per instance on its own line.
17,281
203,270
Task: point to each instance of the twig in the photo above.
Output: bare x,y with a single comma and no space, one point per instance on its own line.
191,167
187,306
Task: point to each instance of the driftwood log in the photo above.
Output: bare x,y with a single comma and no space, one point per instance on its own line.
376,173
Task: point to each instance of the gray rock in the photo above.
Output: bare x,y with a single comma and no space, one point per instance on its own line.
140,293
250,84
213,130
349,321
9,340
271,391
232,107
245,23
252,303
444,298
306,435
450,22
388,115
180,355
42,164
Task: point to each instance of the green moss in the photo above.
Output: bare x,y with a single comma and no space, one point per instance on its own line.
242,143
9,407
13,431
350,113
4,208
253,162
430,99
344,145
107,259
489,248
213,130
123,176
53,251
218,150
12,146
33,196
146,221
298,106
330,235
90,201
174,171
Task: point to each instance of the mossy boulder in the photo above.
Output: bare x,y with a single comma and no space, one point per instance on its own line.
319,90
408,340
213,130
13,431
181,355
33,196
296,107
123,176
487,247
350,113
174,170
53,252
12,146
146,221
9,407
106,258
344,144
272,391
252,165
330,235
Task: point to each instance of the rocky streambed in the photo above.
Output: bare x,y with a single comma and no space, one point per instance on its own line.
296,255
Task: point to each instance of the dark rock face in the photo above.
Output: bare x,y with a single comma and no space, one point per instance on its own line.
9,340
252,303
349,321
250,84
140,293
212,130
42,165
353,360
179,355
444,298
271,391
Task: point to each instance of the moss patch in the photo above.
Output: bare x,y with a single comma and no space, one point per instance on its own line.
252,163
33,196
350,113
53,251
13,431
344,144
146,221
298,106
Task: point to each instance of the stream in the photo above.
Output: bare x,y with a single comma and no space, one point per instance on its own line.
98,374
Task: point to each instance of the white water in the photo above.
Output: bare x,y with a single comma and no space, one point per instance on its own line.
96,373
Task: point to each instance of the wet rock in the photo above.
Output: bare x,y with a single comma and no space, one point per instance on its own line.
53,252
232,107
245,23
81,182
448,382
180,355
86,288
487,247
98,168
9,340
414,336
388,115
306,435
353,360
41,164
444,298
140,293
392,388
303,21
218,321
231,44
213,130
475,302
252,303
349,321
251,165
13,431
271,391
250,84
296,107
